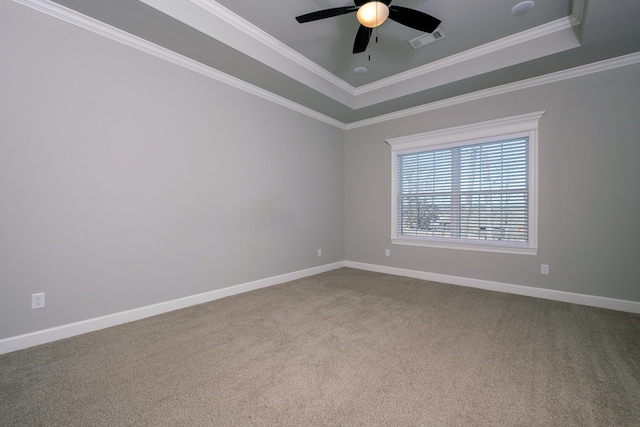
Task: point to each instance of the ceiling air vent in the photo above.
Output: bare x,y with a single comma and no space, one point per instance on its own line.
426,39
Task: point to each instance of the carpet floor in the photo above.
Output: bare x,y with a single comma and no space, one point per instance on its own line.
343,348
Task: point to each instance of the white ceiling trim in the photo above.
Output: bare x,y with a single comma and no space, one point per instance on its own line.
273,43
561,30
469,55
544,40
551,28
596,67
68,15
60,12
538,42
221,24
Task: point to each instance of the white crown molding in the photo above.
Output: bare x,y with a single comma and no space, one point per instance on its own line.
571,73
447,70
577,10
222,25
273,43
559,25
68,15
75,18
472,54
544,40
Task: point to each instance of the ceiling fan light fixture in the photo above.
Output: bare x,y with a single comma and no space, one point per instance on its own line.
373,14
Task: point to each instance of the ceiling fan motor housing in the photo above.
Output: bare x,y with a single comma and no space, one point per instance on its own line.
378,12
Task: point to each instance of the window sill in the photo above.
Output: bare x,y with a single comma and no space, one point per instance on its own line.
466,246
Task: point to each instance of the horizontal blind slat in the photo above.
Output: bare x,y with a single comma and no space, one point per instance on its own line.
479,191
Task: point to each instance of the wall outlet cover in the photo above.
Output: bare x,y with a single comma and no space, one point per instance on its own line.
37,300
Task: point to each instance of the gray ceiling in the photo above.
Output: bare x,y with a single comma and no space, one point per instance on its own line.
312,65
329,42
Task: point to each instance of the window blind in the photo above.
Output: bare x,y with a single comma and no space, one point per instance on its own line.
470,192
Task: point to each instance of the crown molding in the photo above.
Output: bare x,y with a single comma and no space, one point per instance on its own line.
596,67
559,25
291,63
554,27
75,18
410,80
472,54
223,26
577,10
248,28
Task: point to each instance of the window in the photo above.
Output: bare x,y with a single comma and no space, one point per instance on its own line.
472,187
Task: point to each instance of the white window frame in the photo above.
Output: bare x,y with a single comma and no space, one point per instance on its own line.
500,129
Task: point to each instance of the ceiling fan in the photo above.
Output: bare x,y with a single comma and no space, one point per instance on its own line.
371,14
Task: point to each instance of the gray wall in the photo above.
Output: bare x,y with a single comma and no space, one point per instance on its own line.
589,188
127,181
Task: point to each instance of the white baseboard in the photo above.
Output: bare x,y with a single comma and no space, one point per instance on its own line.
20,342
589,300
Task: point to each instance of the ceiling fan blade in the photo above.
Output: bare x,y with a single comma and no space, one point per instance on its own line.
327,13
413,18
362,39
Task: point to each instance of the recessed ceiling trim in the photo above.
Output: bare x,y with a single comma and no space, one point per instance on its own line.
275,44
60,12
577,9
75,18
550,28
463,65
223,25
596,67
545,40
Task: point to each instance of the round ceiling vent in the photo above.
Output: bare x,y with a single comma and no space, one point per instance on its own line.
360,70
522,8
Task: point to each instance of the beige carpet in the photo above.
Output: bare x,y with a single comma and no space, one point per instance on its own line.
344,348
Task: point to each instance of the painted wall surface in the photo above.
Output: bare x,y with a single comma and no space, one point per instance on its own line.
127,181
589,192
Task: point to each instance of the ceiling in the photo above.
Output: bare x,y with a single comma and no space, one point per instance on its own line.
312,64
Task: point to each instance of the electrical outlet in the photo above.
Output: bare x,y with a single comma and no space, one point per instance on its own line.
387,252
37,300
544,269
319,252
